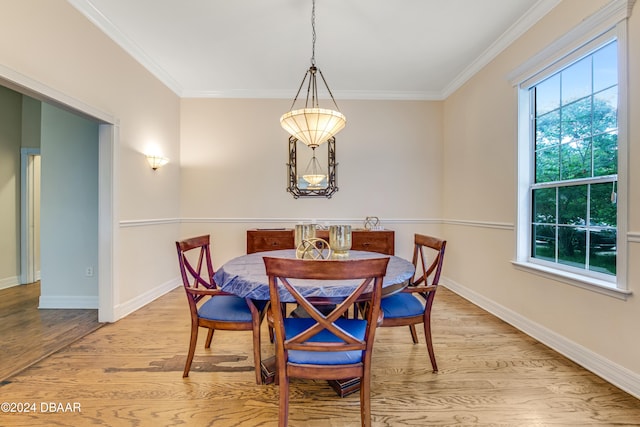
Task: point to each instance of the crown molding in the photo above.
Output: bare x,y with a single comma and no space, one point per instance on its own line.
528,20
342,95
106,26
532,16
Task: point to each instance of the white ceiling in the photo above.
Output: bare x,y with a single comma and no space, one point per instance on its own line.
366,49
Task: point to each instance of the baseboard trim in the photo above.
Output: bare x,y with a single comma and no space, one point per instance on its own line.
68,302
606,369
9,282
123,310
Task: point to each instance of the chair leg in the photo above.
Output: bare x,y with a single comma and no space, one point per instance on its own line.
256,351
283,408
207,343
192,350
414,334
365,399
427,336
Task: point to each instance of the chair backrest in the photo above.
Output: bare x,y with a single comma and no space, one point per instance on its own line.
428,272
368,275
196,269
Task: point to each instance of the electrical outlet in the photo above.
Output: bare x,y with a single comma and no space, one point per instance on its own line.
89,271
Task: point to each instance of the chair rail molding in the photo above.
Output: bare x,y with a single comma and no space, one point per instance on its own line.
320,221
480,224
632,236
148,222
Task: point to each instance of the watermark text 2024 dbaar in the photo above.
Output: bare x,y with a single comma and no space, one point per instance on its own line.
40,407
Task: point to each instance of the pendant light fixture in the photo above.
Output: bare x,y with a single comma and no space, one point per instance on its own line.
313,174
313,125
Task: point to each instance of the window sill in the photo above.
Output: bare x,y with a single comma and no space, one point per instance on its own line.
595,285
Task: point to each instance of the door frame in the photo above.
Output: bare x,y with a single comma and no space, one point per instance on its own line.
28,235
107,177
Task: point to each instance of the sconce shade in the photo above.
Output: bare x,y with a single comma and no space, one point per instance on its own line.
156,161
313,126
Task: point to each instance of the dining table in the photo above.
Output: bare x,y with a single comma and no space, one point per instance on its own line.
245,276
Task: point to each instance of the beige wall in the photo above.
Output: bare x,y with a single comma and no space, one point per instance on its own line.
388,166
53,46
480,189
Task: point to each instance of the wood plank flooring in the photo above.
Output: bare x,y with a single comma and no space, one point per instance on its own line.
130,374
28,334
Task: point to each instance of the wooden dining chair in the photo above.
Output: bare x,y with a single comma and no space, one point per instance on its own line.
413,304
325,346
211,307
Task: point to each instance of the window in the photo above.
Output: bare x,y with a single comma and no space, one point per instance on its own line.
572,150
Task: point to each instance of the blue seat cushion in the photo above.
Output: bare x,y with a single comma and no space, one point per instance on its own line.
229,308
401,305
356,327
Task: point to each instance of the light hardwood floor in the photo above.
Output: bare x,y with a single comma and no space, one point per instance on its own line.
28,334
130,374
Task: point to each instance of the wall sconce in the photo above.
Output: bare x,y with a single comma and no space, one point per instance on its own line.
156,161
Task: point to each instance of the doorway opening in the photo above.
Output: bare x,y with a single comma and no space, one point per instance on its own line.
106,235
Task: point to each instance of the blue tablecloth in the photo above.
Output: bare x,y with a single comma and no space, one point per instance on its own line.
245,276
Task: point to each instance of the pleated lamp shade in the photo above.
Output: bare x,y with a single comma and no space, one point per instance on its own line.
313,126
156,161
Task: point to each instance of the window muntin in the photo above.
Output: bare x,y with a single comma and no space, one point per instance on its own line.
575,144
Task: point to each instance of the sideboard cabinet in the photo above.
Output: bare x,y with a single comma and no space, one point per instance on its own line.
259,240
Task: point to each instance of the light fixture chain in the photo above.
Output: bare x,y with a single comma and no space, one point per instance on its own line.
313,125
313,33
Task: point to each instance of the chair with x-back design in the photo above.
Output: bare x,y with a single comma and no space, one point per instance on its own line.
325,346
211,307
413,304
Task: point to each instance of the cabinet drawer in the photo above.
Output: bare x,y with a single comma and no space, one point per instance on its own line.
269,240
373,241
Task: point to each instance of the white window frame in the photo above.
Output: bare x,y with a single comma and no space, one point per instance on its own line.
600,28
